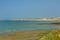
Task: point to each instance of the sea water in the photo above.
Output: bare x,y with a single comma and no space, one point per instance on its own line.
26,25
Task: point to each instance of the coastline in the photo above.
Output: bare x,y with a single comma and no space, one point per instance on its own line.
25,34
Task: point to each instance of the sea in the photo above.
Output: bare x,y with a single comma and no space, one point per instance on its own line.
21,25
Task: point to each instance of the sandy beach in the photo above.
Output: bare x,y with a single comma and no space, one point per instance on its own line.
32,35
22,35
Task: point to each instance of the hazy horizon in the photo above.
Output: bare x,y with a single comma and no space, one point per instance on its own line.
29,9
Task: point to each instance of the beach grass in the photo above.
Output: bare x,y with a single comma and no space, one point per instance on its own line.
51,35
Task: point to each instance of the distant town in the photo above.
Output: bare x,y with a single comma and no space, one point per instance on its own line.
51,18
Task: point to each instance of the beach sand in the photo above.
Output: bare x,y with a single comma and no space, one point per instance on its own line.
22,35
31,34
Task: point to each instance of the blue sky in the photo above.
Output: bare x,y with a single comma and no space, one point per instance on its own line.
29,8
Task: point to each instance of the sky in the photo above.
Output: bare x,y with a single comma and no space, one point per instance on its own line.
29,8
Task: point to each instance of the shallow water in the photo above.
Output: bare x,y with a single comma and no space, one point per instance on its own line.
26,25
